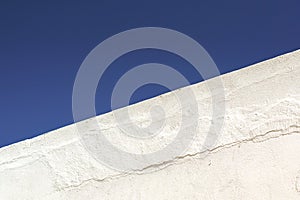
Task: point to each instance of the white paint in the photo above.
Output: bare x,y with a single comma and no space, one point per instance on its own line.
256,156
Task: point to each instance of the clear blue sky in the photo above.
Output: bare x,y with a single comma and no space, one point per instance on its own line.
42,45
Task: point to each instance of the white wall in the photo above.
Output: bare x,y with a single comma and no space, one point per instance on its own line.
255,156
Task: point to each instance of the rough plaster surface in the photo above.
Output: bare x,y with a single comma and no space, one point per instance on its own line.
255,157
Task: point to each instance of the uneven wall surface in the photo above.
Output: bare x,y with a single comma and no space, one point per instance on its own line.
256,155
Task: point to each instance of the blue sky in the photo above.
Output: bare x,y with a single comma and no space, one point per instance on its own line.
42,45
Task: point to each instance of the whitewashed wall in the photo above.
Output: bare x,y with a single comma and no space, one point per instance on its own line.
256,155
